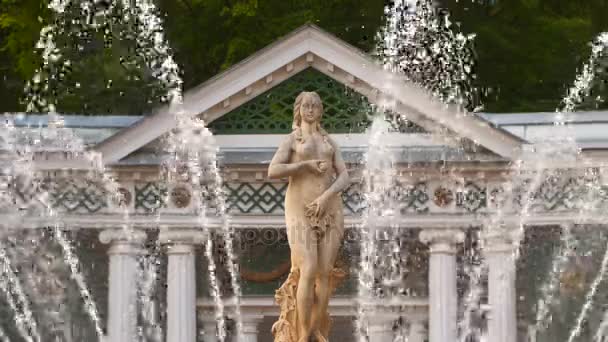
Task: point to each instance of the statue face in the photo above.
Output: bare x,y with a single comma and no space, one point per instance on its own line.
310,110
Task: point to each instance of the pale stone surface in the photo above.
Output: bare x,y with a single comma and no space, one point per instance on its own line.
500,256
417,331
315,222
181,282
380,328
209,329
181,294
443,296
250,328
122,302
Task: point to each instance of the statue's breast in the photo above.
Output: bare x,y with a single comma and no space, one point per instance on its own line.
314,149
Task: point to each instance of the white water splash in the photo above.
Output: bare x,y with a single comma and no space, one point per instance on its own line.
214,289
3,337
567,140
551,285
584,80
475,269
148,274
38,92
11,286
379,181
420,43
589,298
74,263
165,69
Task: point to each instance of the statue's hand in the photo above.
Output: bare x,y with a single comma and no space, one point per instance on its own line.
317,207
316,165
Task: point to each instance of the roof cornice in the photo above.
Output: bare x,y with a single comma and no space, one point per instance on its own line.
307,47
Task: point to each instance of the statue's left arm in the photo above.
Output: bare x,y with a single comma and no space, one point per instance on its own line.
342,180
318,206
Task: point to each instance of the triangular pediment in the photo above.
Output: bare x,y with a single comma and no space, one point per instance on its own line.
309,52
345,110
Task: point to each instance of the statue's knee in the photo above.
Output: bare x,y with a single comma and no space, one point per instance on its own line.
307,274
323,277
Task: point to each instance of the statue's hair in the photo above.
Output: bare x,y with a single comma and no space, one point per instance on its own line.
297,116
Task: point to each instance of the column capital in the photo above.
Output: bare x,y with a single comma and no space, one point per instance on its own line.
442,240
122,235
500,240
181,236
124,241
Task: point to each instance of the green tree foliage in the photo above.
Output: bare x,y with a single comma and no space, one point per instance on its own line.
211,35
19,29
207,36
528,51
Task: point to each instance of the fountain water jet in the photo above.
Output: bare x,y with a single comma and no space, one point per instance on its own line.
25,321
567,140
418,43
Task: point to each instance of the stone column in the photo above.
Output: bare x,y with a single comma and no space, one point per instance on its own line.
181,283
380,327
417,331
122,298
443,296
500,255
250,328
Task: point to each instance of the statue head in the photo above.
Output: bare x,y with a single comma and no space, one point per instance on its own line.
308,108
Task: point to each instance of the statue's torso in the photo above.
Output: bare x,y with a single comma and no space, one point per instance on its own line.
305,186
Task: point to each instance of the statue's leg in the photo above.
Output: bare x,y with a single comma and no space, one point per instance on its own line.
328,252
304,254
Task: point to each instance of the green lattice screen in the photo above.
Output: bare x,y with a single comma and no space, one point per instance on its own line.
272,112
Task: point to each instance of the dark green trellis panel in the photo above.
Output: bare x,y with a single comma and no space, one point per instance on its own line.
272,112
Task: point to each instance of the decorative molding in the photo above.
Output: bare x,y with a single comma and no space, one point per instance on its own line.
272,113
124,198
124,241
442,240
122,235
74,196
249,198
472,197
338,306
150,196
501,238
181,197
250,194
443,197
413,198
310,57
184,236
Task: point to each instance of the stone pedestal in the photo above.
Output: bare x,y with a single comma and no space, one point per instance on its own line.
122,299
500,255
181,283
443,296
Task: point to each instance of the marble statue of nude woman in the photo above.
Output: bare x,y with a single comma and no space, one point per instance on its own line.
315,222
